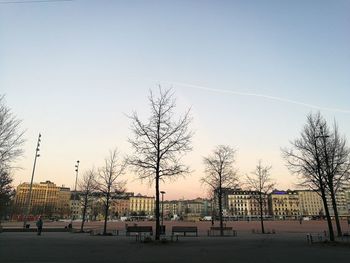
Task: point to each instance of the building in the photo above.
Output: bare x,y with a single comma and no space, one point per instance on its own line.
347,196
47,199
75,205
171,208
245,204
342,204
63,204
196,209
141,205
284,204
120,207
310,203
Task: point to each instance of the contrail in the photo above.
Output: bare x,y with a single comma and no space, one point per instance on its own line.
259,96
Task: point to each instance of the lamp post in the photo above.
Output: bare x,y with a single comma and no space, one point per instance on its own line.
75,188
162,192
29,198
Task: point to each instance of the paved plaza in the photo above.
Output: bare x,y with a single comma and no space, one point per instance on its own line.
246,247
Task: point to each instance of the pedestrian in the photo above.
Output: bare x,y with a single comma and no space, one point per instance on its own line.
212,221
39,225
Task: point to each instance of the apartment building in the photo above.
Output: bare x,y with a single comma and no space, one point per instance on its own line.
284,204
47,199
245,203
310,203
142,204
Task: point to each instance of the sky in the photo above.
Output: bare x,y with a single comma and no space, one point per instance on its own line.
250,71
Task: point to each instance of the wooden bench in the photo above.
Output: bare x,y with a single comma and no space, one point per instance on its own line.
95,232
228,231
99,231
315,237
139,231
183,230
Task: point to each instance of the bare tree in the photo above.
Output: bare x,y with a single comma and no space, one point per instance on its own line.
220,174
109,181
6,192
305,158
260,182
87,187
160,143
336,159
11,142
11,138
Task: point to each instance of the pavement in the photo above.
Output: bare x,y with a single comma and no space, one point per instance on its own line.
246,247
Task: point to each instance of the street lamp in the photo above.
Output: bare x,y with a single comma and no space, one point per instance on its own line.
162,192
29,198
75,187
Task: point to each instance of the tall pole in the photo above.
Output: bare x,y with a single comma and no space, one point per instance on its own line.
29,197
75,187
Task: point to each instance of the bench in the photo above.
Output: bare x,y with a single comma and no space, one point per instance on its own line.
228,231
140,231
99,232
315,237
183,230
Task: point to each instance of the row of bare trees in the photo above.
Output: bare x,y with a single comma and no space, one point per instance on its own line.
160,143
106,181
320,157
221,174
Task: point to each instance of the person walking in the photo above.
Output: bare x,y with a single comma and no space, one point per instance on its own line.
39,225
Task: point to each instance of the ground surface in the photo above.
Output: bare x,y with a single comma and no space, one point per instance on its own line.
288,245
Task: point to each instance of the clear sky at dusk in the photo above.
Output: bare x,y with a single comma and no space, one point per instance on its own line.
73,70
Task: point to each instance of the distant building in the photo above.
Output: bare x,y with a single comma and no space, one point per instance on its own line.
171,208
284,204
75,205
47,199
141,205
310,203
347,196
342,204
120,207
63,204
244,203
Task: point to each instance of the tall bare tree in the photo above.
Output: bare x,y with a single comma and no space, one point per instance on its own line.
306,159
6,192
11,137
160,143
110,180
220,174
261,183
11,142
336,158
87,186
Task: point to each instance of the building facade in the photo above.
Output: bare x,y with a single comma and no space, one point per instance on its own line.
120,207
284,204
342,205
47,199
244,203
310,203
140,205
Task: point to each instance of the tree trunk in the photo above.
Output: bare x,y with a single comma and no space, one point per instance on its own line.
329,220
84,215
335,209
106,215
157,209
261,215
220,212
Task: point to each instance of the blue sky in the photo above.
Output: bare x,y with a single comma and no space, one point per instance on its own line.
73,69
